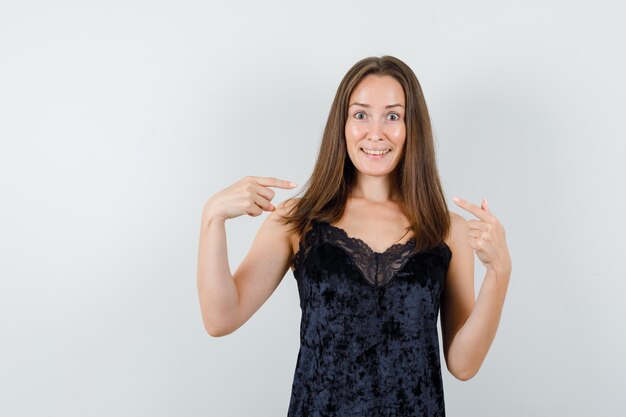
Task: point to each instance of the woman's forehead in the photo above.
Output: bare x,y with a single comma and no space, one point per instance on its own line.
374,90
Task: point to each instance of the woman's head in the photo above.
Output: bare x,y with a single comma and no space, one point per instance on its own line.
375,130
418,137
412,170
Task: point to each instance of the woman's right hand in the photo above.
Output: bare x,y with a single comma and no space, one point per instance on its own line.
250,195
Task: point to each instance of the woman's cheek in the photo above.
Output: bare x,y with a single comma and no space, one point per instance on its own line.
352,130
399,133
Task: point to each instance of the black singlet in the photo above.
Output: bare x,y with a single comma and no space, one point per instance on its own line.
369,343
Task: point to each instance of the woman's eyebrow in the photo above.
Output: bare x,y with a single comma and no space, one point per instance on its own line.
367,105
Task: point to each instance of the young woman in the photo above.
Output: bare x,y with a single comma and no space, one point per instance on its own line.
376,255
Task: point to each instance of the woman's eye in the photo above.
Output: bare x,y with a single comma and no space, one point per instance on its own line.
358,114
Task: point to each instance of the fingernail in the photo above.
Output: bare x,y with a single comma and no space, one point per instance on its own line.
293,184
457,199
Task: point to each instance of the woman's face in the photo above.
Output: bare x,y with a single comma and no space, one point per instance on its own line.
376,122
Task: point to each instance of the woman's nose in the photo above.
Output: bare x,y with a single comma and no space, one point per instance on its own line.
377,128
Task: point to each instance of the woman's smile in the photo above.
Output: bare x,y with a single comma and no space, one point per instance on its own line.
375,154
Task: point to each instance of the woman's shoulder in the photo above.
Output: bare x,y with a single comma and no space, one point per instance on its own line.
455,218
458,228
282,209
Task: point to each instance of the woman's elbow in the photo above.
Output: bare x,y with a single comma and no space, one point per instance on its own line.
459,367
463,374
216,331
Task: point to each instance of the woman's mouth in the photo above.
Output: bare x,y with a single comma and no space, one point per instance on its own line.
375,154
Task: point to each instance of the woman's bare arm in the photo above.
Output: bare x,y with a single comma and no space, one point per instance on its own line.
469,326
228,300
216,288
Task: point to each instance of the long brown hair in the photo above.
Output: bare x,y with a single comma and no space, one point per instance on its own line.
327,190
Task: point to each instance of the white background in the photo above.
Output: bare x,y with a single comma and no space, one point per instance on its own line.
118,120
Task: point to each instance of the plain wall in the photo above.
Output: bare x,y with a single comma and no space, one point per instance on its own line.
119,119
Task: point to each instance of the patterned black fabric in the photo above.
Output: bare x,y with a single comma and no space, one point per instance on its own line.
368,335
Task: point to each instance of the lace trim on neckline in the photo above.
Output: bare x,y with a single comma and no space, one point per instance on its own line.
394,248
377,268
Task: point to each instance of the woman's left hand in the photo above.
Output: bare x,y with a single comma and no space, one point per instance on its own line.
487,237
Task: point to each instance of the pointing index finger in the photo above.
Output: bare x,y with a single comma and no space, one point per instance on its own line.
472,208
275,182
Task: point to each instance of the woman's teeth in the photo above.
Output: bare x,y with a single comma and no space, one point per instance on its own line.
370,152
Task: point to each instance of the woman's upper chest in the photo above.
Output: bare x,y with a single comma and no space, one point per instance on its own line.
377,226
